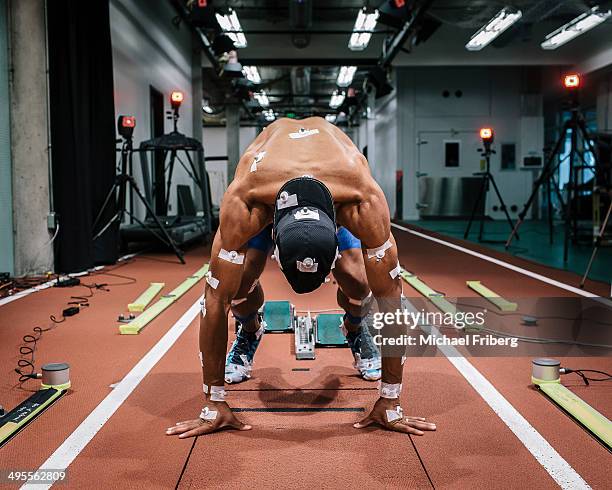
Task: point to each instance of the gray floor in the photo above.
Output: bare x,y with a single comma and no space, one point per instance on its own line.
533,244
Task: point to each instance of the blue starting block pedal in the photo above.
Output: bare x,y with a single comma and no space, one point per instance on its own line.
328,331
279,316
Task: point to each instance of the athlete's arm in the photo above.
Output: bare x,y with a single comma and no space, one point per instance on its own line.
370,222
237,223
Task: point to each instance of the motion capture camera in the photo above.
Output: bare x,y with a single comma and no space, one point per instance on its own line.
125,126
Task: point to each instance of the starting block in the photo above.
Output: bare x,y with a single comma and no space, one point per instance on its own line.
304,338
328,330
279,316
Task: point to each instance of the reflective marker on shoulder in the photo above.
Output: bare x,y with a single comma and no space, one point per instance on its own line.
303,133
232,256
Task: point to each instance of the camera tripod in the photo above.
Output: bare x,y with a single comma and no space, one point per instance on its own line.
598,240
122,180
487,179
576,125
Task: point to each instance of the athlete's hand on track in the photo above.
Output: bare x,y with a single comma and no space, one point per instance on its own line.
408,425
225,420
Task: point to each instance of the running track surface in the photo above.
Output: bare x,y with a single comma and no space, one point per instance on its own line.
472,448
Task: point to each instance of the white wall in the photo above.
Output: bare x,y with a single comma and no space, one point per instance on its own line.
383,162
149,51
215,144
604,102
491,96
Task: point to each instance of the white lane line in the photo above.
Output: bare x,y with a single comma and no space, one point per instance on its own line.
554,464
64,455
26,292
501,263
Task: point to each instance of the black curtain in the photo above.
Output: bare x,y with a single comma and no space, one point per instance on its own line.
82,130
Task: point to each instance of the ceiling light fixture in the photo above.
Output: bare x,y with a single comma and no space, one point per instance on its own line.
346,75
262,98
231,26
574,28
363,29
251,73
337,99
498,24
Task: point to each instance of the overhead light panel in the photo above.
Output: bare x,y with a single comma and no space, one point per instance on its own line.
251,73
231,26
575,27
498,24
269,115
337,99
262,98
345,77
363,29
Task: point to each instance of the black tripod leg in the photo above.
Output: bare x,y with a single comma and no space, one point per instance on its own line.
167,236
503,205
550,212
546,173
602,231
482,187
110,194
484,207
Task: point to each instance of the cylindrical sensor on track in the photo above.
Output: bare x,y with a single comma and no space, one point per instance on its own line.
56,375
544,370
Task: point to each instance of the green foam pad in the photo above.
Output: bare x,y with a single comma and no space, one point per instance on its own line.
328,330
278,316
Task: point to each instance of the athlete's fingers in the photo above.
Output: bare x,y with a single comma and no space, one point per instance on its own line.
406,429
364,422
422,419
420,424
198,431
179,429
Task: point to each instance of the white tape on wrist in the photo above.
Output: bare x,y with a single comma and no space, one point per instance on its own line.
254,286
205,388
203,307
395,415
208,414
231,256
236,302
388,390
379,252
303,133
213,282
201,360
217,393
359,302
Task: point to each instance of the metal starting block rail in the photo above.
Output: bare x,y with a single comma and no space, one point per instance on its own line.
324,330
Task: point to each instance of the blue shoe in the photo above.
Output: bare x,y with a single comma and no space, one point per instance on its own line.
239,361
366,354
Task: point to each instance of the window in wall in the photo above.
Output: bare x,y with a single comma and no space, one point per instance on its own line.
451,153
508,156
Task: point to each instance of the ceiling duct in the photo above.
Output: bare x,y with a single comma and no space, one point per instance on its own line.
300,19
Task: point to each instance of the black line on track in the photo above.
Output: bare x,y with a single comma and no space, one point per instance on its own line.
301,369
195,439
300,409
422,462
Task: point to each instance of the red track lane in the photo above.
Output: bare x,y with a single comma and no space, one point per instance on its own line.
472,447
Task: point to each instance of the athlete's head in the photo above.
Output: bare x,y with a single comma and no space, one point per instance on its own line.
305,233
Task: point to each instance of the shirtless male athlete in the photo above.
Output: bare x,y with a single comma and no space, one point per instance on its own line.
305,190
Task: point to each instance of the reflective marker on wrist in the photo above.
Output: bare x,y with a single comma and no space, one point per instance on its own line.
391,391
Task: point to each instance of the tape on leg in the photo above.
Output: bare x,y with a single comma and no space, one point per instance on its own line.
201,360
203,307
394,415
205,388
379,252
232,256
236,302
254,286
359,302
217,393
212,282
395,271
208,414
388,390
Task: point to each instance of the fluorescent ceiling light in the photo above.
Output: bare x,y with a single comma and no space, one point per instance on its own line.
575,27
498,24
251,73
269,115
337,99
231,26
345,77
331,118
262,98
362,31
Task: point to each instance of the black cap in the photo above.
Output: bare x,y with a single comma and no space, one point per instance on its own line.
305,233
